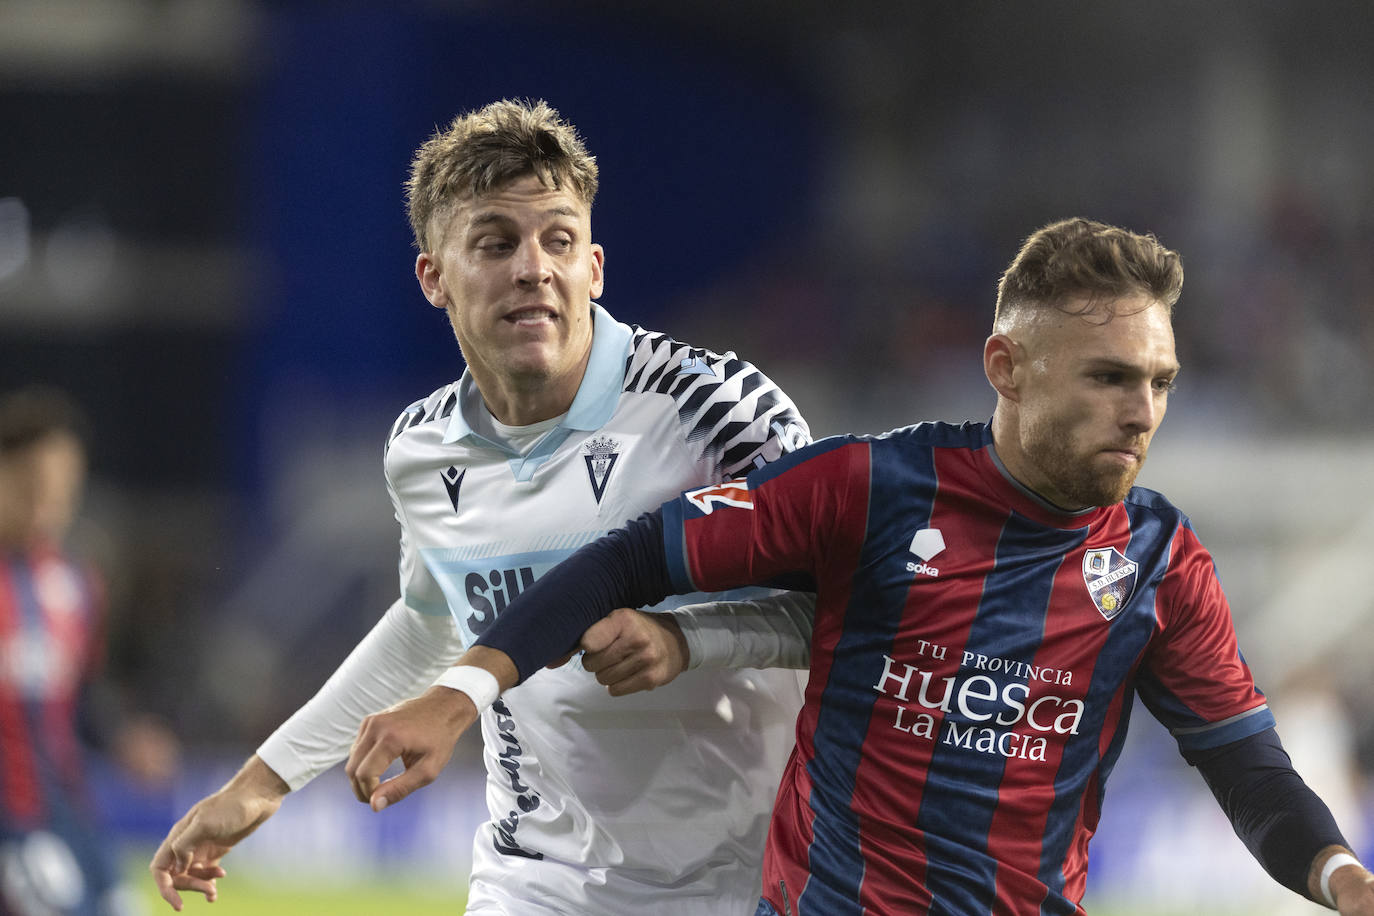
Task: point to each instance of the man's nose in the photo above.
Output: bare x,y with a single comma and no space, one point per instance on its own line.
531,265
1142,408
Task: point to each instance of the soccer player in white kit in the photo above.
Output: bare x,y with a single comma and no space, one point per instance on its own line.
565,425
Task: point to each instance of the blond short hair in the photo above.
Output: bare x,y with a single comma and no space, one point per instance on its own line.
484,150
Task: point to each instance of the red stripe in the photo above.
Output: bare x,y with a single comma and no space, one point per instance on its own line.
896,762
1204,630
19,786
1074,637
793,509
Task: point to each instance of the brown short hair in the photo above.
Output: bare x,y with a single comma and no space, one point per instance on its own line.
1076,257
486,149
34,412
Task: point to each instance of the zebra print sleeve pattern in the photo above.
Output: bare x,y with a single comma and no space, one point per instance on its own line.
729,409
437,406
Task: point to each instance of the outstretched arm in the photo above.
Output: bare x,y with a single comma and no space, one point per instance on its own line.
189,857
1288,829
401,655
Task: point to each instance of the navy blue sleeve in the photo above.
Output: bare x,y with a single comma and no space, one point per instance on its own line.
1281,821
626,568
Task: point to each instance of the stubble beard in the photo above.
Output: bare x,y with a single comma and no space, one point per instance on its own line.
1080,480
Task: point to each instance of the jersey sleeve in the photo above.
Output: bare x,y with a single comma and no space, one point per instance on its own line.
770,631
1194,679
733,417
779,526
419,590
401,656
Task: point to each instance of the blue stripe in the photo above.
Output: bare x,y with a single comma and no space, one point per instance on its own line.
962,790
1130,630
902,486
32,628
675,545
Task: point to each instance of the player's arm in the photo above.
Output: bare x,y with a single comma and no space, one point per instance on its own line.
625,568
770,631
733,419
740,533
189,856
1284,824
402,654
631,650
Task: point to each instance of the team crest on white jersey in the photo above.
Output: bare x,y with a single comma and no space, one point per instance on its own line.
731,493
602,454
1110,578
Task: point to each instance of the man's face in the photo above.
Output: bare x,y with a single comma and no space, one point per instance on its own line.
40,489
1092,390
516,271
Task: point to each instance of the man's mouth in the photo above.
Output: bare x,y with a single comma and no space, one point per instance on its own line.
1124,454
530,315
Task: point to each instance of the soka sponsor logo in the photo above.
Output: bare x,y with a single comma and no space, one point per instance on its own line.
926,544
975,711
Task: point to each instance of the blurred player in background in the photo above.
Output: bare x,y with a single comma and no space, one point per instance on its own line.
990,599
53,699
566,424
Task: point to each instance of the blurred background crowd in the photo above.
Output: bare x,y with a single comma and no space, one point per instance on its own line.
203,241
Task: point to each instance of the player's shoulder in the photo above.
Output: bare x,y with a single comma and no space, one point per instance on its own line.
935,434
659,363
892,446
1143,500
435,408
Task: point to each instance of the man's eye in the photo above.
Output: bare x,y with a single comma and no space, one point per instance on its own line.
1165,384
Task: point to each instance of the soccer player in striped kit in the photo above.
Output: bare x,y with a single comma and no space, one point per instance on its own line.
991,600
566,424
55,704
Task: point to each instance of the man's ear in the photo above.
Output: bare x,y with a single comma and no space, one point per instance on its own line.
427,272
1001,356
598,271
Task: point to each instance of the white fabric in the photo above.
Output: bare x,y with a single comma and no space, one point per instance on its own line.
479,684
398,659
769,632
657,801
1339,860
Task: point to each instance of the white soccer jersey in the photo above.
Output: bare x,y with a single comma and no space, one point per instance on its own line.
656,802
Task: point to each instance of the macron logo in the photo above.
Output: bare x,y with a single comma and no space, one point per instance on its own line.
926,544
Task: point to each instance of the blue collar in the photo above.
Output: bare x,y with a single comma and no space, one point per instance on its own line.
595,402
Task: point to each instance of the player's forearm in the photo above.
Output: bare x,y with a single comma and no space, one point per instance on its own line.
1279,818
772,631
401,656
624,569
257,778
1337,874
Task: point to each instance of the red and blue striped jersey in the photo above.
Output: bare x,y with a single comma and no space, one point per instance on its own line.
974,662
49,627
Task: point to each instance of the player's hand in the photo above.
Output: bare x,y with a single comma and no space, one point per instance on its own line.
188,859
420,732
1353,889
630,650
